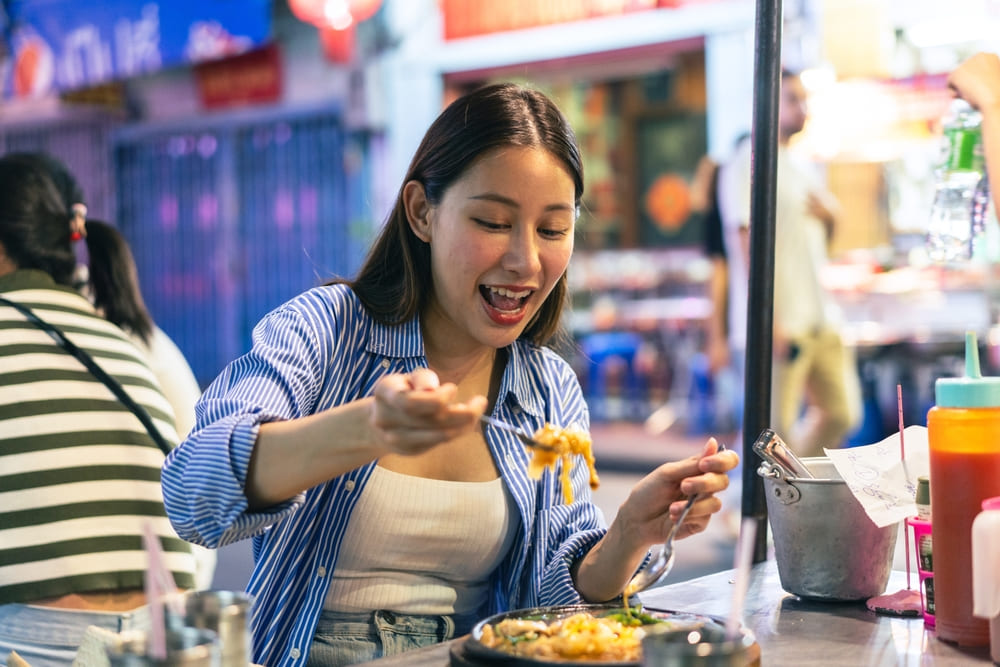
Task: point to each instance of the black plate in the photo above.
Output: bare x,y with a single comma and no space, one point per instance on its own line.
474,647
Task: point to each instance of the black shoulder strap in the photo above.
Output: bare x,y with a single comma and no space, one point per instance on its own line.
98,372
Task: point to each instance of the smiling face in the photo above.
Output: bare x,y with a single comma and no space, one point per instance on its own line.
500,239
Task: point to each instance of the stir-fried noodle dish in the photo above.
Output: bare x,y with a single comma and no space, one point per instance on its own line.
581,636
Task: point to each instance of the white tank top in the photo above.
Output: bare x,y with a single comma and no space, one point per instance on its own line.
422,546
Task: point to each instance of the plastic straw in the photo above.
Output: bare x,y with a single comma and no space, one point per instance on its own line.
156,646
899,403
160,591
744,560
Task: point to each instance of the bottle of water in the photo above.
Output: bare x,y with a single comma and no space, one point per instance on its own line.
961,194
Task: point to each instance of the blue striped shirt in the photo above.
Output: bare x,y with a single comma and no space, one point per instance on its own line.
320,350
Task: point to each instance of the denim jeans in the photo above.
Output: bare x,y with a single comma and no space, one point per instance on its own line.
346,639
49,637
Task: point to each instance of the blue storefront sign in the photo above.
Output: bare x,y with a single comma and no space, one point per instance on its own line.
55,45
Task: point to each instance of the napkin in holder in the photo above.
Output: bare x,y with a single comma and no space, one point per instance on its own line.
882,480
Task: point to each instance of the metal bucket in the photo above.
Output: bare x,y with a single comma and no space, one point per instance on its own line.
825,545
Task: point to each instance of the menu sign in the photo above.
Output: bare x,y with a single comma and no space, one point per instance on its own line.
57,45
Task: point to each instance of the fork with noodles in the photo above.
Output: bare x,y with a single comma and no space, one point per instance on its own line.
564,444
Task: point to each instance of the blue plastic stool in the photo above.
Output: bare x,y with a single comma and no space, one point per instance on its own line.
601,349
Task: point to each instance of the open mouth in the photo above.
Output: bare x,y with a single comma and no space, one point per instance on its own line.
505,300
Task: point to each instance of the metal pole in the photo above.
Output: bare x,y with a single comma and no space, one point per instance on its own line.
760,293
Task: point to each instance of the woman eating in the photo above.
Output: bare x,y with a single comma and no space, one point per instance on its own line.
347,441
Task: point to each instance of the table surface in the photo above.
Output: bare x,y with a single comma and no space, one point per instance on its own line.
789,630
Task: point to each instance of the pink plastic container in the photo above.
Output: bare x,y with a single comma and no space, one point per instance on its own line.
922,543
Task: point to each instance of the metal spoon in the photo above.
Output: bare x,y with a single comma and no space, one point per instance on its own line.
661,564
523,435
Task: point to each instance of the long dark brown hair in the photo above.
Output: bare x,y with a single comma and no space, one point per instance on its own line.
395,283
114,280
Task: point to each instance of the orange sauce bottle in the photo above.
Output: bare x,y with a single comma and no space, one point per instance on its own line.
963,429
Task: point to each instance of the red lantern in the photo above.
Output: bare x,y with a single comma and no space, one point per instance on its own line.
309,11
334,13
362,10
337,15
338,45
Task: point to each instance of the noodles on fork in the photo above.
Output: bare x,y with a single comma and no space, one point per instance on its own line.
566,443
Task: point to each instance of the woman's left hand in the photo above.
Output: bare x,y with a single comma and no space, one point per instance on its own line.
646,516
658,499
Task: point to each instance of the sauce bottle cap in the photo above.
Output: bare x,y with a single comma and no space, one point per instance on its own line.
923,490
971,391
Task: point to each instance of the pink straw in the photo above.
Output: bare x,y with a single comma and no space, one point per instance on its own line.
899,400
160,591
902,456
156,647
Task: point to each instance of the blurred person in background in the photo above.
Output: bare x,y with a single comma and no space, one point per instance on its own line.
977,81
812,367
347,442
717,330
727,387
79,471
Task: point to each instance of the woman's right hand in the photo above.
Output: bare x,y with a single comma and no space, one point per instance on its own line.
409,413
413,412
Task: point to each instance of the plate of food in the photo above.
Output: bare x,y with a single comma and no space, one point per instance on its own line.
573,635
